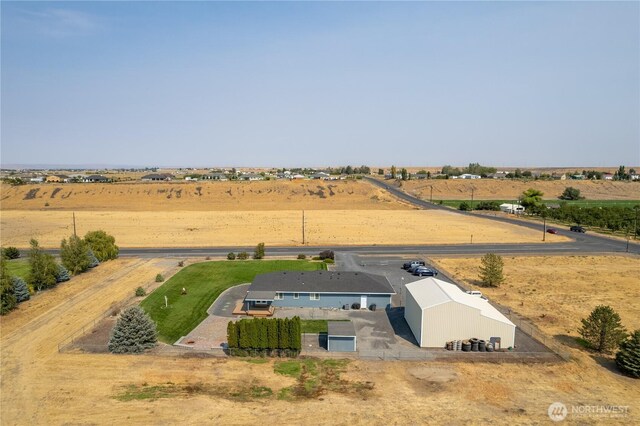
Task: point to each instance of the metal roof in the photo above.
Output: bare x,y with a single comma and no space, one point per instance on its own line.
429,292
340,328
260,295
322,282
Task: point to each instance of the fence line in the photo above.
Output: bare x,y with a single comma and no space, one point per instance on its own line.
70,339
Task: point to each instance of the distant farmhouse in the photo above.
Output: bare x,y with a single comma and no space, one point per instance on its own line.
214,176
250,177
317,289
57,178
512,208
466,176
153,177
95,178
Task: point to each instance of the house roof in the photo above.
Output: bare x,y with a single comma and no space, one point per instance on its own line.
160,176
429,292
340,328
320,282
96,177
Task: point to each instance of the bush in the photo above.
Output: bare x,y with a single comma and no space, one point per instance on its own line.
44,268
10,253
231,256
628,357
102,244
302,256
316,258
20,290
327,254
75,255
159,278
133,333
181,263
488,205
259,251
571,193
140,292
329,261
602,329
93,260
464,206
243,255
491,270
62,274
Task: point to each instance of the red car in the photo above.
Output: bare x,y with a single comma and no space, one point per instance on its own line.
552,231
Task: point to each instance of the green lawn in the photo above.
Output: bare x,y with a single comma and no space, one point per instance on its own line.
204,282
315,326
19,267
581,203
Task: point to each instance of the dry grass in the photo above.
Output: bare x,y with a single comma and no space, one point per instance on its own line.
200,196
556,292
243,228
490,189
41,386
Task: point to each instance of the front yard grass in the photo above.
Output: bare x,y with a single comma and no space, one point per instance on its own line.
204,282
19,268
316,325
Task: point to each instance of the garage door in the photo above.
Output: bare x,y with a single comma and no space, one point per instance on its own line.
341,344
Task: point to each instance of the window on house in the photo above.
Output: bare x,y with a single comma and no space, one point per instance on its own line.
296,295
314,296
279,296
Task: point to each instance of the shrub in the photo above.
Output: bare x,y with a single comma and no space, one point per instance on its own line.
10,253
316,258
44,268
20,290
62,274
491,270
628,357
327,254
140,292
464,206
602,329
231,256
488,205
102,244
134,332
259,251
243,255
329,261
159,278
93,260
75,255
302,256
181,263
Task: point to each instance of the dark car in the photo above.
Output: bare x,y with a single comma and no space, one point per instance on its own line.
413,263
552,231
577,229
425,272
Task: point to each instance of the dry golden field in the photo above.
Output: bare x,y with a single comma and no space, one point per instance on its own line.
497,189
43,387
555,292
247,228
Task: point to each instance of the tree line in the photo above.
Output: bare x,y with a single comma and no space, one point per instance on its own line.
77,255
265,337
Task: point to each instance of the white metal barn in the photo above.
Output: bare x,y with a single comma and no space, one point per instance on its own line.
438,312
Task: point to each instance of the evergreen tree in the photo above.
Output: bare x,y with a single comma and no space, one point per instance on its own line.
602,329
393,172
44,268
491,270
7,292
283,333
232,335
62,274
628,357
20,290
93,260
10,253
75,255
133,333
295,333
252,331
102,244
244,341
263,334
272,334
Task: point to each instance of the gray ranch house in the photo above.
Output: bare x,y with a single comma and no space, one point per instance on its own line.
317,289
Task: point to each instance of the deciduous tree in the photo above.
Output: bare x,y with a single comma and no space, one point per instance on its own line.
44,268
75,254
103,245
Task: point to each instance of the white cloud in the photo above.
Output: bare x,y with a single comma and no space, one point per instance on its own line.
58,22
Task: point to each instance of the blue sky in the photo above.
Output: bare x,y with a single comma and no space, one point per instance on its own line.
288,84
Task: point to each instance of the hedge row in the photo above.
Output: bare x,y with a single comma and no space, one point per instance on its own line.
265,336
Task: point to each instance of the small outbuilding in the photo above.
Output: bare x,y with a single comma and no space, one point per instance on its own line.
341,336
438,312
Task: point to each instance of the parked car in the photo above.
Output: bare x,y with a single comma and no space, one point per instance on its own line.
552,231
414,267
425,272
408,265
577,228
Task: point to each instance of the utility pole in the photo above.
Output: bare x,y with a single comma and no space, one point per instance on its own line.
544,227
303,227
431,194
74,225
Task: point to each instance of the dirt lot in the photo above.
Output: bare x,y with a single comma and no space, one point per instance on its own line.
494,189
42,386
244,228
